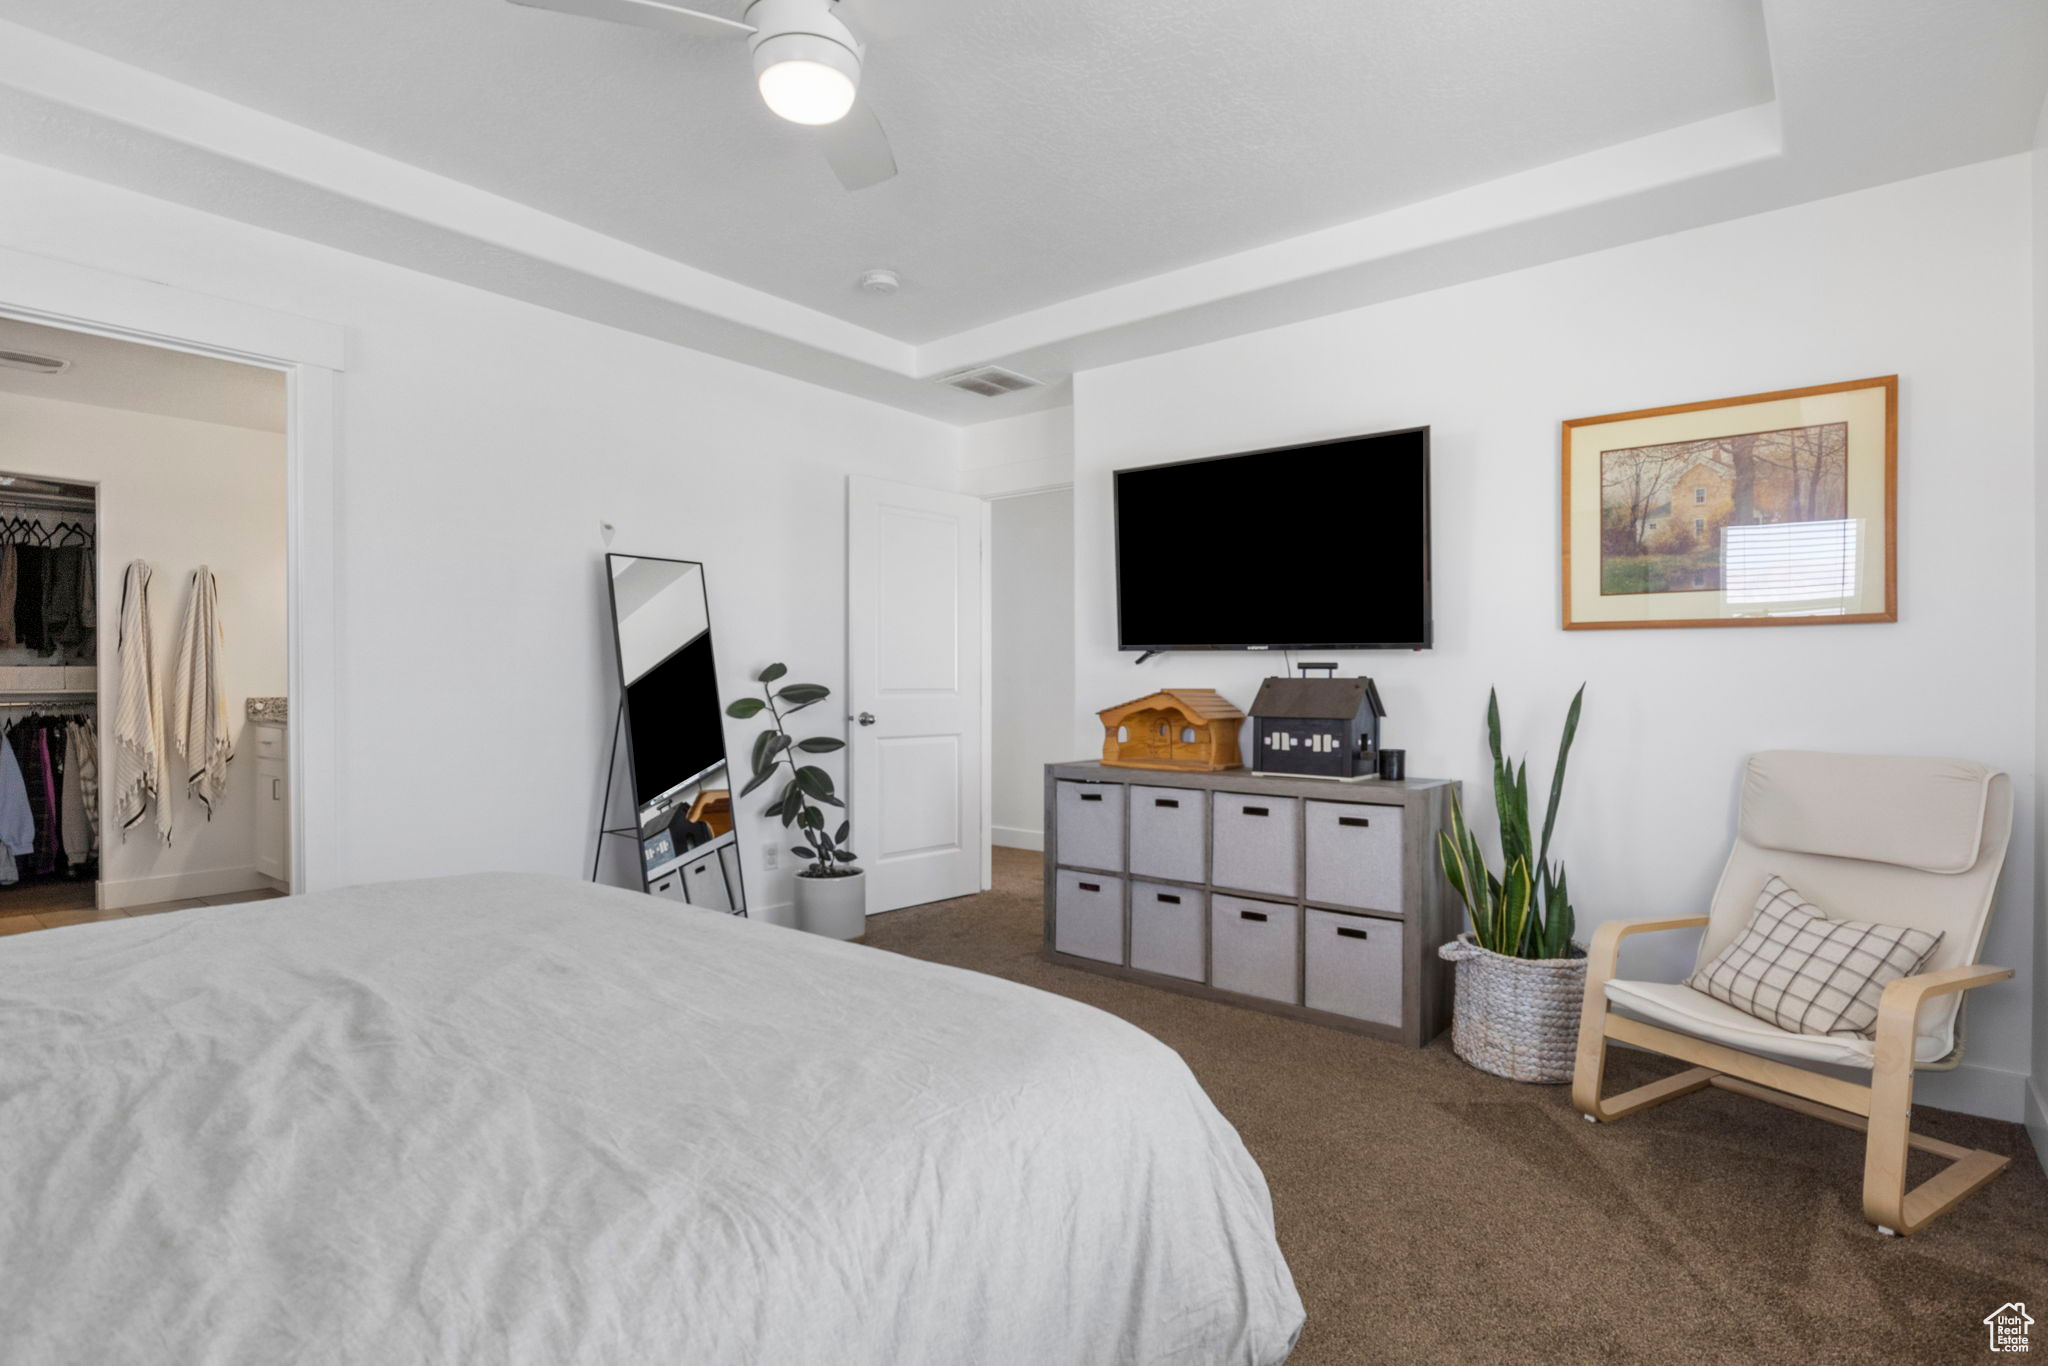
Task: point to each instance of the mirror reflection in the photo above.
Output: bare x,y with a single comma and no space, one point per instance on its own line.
675,732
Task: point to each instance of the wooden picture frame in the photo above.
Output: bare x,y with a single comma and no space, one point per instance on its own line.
1773,509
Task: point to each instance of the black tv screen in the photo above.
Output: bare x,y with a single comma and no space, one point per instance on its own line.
1324,546
673,716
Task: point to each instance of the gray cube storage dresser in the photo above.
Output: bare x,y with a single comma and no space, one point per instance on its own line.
1318,900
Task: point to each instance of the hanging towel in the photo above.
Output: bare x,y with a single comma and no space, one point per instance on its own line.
141,765
17,820
85,749
199,701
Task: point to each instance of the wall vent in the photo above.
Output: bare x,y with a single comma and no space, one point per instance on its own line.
991,381
28,360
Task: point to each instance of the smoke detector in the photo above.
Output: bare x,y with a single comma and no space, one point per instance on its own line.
991,381
33,363
880,281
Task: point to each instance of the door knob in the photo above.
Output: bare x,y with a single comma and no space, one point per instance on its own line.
866,718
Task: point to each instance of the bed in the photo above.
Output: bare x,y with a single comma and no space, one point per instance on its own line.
513,1119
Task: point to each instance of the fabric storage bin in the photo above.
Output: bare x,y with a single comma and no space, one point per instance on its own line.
704,884
1352,966
1254,948
1088,916
1169,831
1089,824
1169,929
1253,843
1354,855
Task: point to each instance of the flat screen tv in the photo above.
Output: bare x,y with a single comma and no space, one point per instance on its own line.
673,721
1316,547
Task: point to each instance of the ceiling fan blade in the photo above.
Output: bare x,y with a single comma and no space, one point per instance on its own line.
858,148
647,14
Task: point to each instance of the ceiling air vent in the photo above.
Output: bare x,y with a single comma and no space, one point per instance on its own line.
34,364
991,381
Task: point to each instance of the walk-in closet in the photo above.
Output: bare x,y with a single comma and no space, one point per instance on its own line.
143,635
49,694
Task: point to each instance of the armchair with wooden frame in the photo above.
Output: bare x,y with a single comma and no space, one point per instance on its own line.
1895,841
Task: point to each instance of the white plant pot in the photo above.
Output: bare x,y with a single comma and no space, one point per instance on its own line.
836,907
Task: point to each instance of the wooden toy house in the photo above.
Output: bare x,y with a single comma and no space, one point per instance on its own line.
1189,729
1317,727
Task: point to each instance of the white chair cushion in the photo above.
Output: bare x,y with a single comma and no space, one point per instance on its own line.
1677,1006
1912,813
1795,967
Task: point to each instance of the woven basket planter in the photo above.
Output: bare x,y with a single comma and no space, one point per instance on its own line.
1516,1017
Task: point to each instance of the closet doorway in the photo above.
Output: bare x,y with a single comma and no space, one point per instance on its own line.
49,696
143,632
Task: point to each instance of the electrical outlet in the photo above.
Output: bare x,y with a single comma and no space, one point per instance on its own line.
771,857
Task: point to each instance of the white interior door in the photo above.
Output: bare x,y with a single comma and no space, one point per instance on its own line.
916,627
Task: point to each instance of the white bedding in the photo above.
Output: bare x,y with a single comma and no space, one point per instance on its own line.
508,1119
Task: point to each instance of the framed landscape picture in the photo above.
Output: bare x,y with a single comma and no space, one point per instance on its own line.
1767,510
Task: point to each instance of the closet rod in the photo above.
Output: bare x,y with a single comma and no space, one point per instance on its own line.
56,502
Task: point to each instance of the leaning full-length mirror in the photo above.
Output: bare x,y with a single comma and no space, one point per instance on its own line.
675,732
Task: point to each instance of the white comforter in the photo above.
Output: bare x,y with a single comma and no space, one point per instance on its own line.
523,1120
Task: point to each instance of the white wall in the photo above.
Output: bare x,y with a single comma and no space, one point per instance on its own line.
178,494
1032,601
1031,452
482,441
2037,1096
1923,278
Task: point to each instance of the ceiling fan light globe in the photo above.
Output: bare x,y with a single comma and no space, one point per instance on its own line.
806,78
807,92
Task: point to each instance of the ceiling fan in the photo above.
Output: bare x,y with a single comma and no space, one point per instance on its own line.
806,62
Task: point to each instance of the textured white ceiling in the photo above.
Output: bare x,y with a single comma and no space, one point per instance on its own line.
1049,148
108,373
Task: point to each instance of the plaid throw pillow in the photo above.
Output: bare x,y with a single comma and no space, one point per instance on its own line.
1799,970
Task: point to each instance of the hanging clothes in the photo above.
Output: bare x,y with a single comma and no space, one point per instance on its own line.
9,638
141,763
199,702
17,819
38,745
83,739
30,564
74,827
89,591
63,597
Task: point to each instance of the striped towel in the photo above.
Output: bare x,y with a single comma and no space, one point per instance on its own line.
199,701
141,766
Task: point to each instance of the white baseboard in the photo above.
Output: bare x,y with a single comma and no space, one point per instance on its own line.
147,891
2037,1120
1010,837
775,913
1975,1090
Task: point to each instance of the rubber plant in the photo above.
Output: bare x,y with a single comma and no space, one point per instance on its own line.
807,789
1527,911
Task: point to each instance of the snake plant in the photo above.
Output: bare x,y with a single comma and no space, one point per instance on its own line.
1527,911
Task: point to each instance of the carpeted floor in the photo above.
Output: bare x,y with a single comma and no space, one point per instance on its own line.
1432,1213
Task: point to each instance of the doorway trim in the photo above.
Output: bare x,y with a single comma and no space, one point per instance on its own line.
311,355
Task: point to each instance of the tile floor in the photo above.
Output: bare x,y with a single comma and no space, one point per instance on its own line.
47,907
